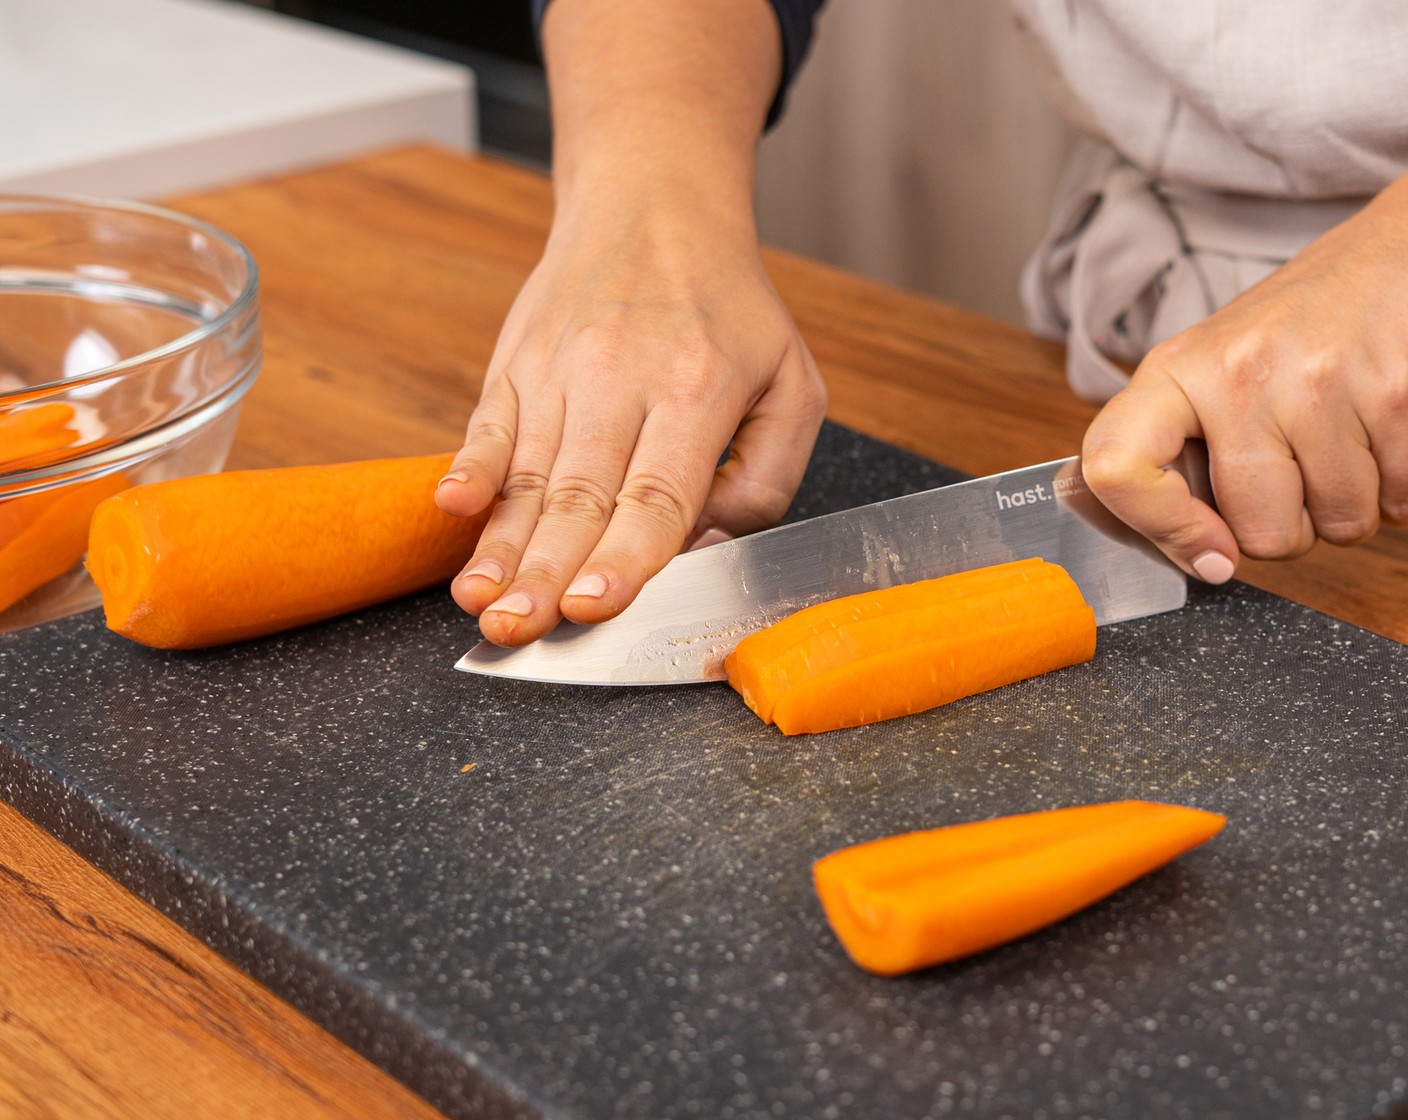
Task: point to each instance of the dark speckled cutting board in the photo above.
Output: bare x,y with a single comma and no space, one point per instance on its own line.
610,914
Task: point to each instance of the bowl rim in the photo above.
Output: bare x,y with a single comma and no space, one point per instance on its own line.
247,295
129,454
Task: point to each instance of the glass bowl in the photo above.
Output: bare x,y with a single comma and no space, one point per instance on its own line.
128,338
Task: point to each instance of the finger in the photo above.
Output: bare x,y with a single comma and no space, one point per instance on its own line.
1339,475
1261,494
1128,444
1385,416
663,490
578,503
478,470
510,527
766,461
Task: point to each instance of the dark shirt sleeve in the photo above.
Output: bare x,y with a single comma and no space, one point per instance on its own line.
796,19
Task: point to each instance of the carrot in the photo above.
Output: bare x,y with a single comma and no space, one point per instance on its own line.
906,649
211,559
28,434
922,898
43,535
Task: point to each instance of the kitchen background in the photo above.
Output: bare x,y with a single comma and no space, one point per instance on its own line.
916,148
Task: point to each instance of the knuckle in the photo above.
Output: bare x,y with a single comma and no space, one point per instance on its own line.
1347,530
658,498
598,352
493,432
1394,510
1166,356
1246,364
1108,467
1270,542
693,386
579,499
1321,380
526,487
1390,396
1182,539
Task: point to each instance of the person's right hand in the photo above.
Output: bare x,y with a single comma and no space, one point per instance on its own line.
644,346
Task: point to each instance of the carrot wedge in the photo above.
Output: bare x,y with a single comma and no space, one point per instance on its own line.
43,535
211,559
905,649
35,433
919,899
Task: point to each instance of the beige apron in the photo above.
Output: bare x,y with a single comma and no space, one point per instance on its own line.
1223,137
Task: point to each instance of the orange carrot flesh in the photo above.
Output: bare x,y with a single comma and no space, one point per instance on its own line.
916,677
43,535
904,628
771,661
911,901
220,558
33,434
888,653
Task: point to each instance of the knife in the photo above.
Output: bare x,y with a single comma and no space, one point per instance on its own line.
689,617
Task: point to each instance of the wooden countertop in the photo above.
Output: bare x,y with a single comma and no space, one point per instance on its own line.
384,283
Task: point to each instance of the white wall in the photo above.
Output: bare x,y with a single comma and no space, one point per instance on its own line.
917,149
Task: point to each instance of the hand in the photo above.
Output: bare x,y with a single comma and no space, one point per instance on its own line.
639,348
1300,388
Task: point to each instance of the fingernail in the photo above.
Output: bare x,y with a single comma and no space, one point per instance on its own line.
453,476
1213,567
710,536
517,603
485,569
591,586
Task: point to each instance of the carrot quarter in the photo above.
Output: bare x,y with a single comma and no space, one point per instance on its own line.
43,535
900,650
211,559
32,435
919,899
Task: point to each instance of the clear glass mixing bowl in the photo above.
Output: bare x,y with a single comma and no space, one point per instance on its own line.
128,337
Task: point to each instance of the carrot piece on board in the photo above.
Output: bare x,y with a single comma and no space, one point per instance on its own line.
43,535
892,652
211,559
922,898
31,433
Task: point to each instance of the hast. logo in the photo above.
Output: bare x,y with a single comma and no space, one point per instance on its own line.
1028,497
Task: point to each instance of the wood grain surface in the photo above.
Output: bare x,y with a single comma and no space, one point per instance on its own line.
384,282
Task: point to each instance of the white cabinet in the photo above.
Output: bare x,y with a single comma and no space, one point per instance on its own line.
142,98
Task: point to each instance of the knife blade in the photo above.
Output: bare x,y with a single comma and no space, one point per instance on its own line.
689,617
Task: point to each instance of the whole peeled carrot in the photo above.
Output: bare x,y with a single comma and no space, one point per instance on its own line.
43,535
891,652
922,898
211,559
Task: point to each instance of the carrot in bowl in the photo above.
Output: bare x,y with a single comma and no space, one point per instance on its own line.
33,434
919,899
899,650
43,535
210,559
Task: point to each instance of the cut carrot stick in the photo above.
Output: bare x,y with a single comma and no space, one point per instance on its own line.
220,558
922,898
892,652
31,434
43,535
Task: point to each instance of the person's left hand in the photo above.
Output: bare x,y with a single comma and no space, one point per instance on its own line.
1300,389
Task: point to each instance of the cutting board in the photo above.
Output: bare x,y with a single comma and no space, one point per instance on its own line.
567,902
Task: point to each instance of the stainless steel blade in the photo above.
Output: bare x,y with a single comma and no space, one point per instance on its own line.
690,616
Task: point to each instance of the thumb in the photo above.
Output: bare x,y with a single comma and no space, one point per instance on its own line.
1124,458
